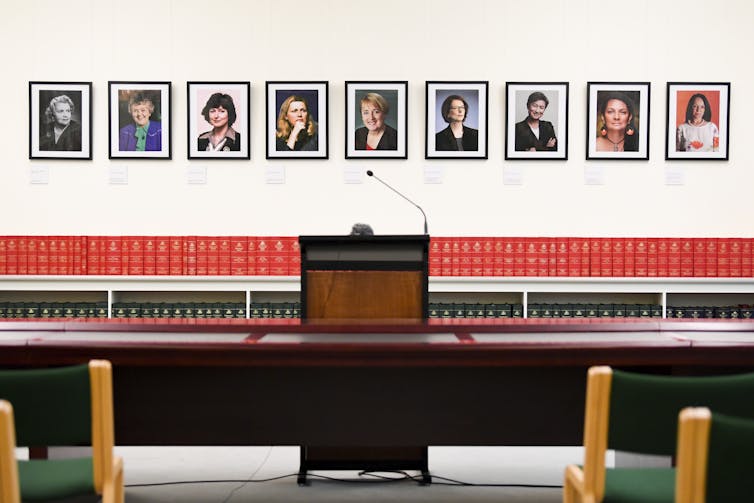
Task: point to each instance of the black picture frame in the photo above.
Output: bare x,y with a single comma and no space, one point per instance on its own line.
122,137
439,141
315,95
60,120
390,100
634,142
519,137
235,96
708,141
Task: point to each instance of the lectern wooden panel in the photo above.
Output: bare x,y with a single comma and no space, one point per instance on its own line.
364,277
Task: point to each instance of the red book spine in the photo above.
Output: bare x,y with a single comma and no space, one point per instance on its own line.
12,255
53,255
641,257
687,257
498,258
595,257
135,255
652,256
93,255
711,257
435,263
3,254
509,256
202,248
561,257
629,257
586,255
239,256
112,255
552,257
699,257
162,256
446,256
43,255
278,257
723,257
176,255
294,257
465,263
674,257
531,257
32,244
189,256
618,255
213,256
252,243
663,249
477,257
263,256
574,256
125,244
71,241
519,256
23,255
455,256
746,257
488,257
735,257
79,255
606,257
223,254
543,257
150,256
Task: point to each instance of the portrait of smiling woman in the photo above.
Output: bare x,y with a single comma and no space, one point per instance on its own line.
218,120
376,119
140,123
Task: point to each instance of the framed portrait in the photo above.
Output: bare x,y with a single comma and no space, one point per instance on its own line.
60,120
376,122
536,120
218,120
297,120
456,120
697,121
139,116
617,120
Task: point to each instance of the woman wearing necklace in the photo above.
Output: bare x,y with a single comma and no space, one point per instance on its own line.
376,134
618,132
698,133
533,133
220,113
61,132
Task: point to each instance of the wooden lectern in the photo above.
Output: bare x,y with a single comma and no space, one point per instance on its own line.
364,277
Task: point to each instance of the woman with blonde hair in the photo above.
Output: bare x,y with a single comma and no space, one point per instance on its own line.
296,130
375,135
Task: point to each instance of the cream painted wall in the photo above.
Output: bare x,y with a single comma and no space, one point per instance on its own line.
338,40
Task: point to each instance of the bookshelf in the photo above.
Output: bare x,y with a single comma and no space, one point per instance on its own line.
246,290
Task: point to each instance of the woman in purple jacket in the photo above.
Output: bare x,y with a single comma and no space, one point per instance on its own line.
144,134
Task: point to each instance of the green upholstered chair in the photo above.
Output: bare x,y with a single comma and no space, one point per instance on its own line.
638,413
715,460
67,406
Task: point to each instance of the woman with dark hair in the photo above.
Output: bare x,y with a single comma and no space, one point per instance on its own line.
617,132
698,133
296,130
220,113
375,135
60,132
456,136
533,133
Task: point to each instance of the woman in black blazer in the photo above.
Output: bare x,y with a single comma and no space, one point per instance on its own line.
532,133
456,136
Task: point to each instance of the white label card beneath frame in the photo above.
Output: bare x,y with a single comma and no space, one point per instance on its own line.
39,175
675,175
434,174
196,175
513,175
353,174
594,175
118,175
274,174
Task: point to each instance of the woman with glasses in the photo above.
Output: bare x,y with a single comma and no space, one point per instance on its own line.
456,136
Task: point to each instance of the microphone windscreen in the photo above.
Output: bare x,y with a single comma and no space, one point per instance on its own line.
369,172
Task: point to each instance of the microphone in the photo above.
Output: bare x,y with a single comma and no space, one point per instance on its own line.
371,173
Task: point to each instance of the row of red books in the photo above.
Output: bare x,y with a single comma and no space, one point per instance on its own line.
610,257
150,255
448,256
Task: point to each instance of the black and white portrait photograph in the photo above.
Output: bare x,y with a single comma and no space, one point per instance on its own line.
218,120
139,120
536,124
296,120
376,124
60,118
456,114
617,120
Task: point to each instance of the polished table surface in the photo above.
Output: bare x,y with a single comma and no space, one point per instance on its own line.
381,383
